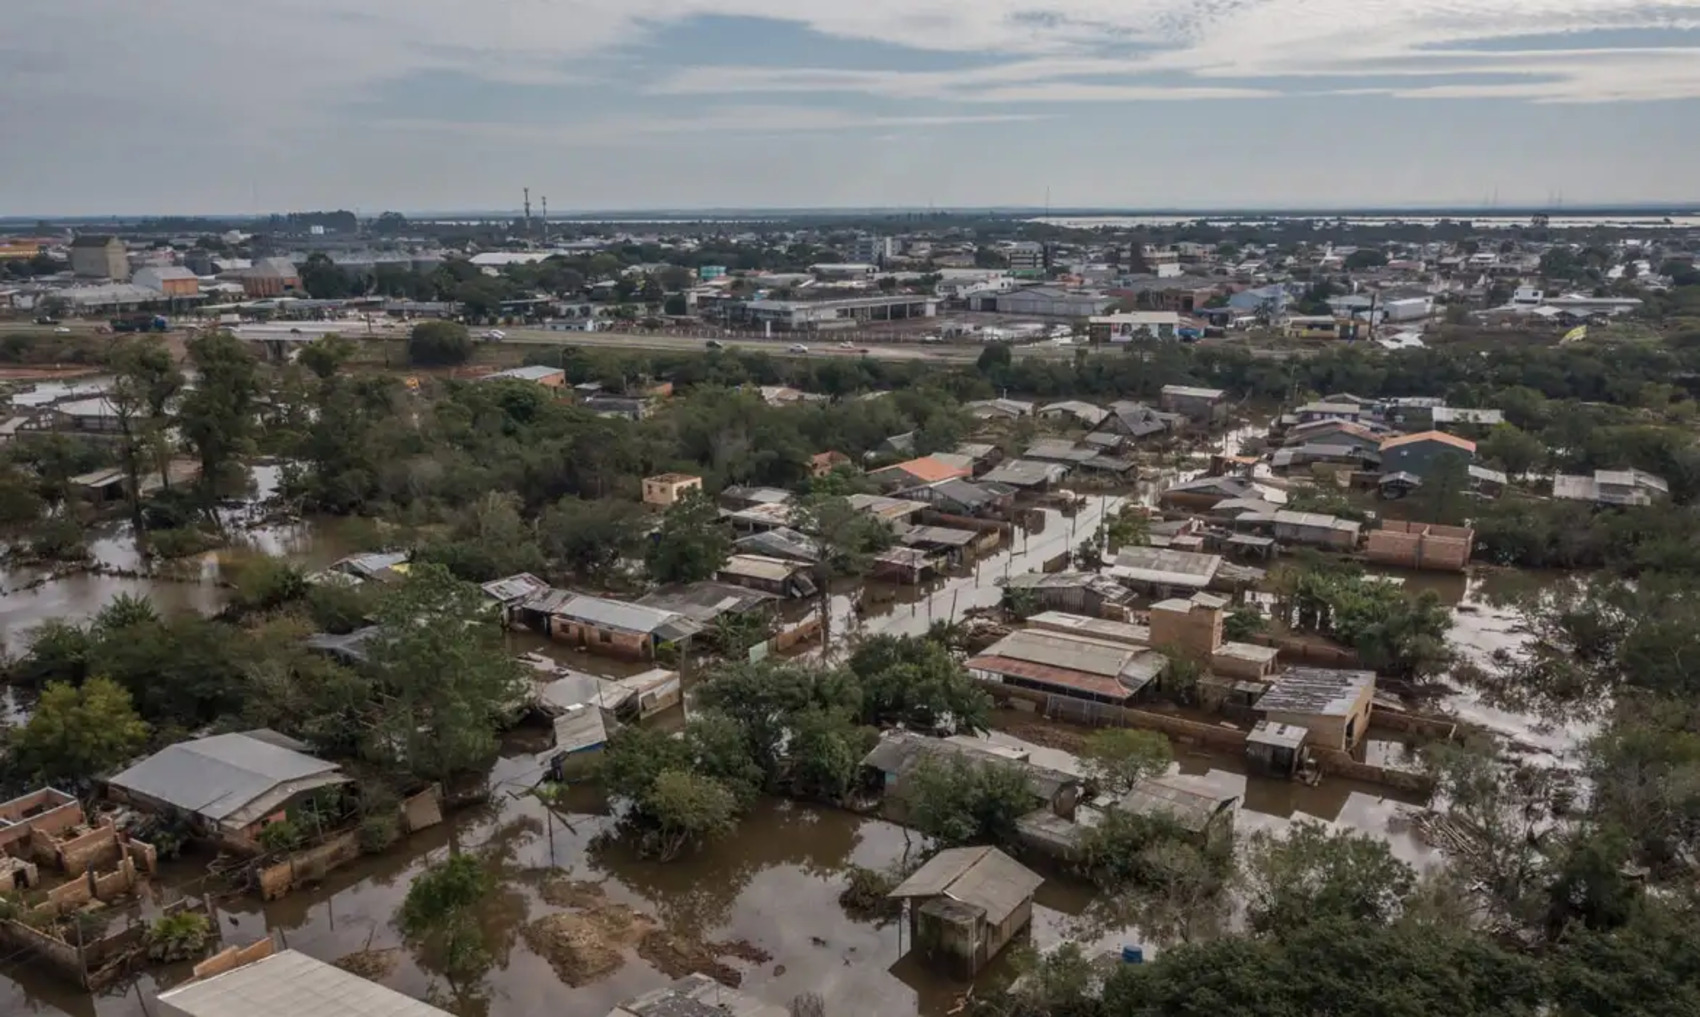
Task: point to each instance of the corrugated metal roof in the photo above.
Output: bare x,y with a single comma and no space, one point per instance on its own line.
617,614
1191,810
1026,473
1064,650
1318,691
982,877
215,777
522,586
917,535
755,566
1099,628
1166,566
290,984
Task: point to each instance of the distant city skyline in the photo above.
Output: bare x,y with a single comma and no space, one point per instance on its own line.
194,107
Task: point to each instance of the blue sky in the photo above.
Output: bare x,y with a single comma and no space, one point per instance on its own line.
197,106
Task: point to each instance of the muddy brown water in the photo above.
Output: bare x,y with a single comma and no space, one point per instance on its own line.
775,882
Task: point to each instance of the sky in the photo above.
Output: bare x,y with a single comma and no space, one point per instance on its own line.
208,106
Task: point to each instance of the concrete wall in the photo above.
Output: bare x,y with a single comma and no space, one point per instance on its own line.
1339,763
232,958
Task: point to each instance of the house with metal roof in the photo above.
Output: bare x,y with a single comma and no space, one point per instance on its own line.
1054,663
708,601
1205,817
226,786
1082,413
925,470
780,577
612,628
782,542
265,982
964,497
1135,420
1422,453
898,754
1085,593
1612,487
1163,571
1199,405
1333,705
965,904
1026,474
537,374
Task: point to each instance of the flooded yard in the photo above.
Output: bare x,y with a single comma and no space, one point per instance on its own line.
763,902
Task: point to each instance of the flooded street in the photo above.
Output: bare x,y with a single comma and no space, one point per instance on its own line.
775,883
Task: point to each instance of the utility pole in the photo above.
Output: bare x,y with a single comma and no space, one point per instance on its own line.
528,215
545,223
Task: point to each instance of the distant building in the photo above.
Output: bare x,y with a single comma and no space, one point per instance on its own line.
871,249
1200,405
1420,545
1043,302
667,488
168,280
99,257
542,374
271,277
1422,453
1129,325
1612,487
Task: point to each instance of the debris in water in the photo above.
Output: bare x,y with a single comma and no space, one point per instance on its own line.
370,964
579,894
583,946
677,956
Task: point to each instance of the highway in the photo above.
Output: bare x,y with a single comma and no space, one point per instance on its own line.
944,353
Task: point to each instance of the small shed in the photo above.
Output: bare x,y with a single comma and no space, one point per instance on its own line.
966,904
1206,819
1333,705
1275,749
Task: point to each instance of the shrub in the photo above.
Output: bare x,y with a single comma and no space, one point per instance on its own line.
179,937
283,835
378,830
439,344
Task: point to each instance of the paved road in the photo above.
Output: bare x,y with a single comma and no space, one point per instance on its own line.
942,353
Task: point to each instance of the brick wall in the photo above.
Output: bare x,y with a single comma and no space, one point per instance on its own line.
311,864
92,850
1420,545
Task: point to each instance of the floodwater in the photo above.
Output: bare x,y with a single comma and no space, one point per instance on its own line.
775,882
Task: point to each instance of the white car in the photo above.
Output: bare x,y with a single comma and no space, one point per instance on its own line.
797,348
495,335
62,330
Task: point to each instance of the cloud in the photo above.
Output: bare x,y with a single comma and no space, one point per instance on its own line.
740,120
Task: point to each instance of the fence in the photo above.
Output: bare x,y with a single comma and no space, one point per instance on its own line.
311,865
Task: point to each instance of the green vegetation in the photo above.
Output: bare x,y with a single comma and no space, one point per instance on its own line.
180,936
76,732
438,344
1393,634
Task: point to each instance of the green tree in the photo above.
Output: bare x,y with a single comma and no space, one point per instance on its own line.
1314,874
766,698
847,540
1118,758
589,538
78,733
691,544
325,355
439,344
1514,450
217,417
688,809
917,683
145,381
439,918
445,681
955,801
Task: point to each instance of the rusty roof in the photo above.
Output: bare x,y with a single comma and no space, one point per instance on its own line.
1456,442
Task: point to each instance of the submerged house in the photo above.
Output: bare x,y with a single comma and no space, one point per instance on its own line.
966,904
1333,706
1206,819
900,753
227,787
613,628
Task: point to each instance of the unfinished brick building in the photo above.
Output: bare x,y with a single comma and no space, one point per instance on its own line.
1420,546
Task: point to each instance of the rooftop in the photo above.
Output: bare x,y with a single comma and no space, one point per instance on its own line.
928,469
1421,436
1166,566
227,777
981,877
1322,692
626,617
1158,796
290,984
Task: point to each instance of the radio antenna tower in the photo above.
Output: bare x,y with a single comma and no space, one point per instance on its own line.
528,213
544,226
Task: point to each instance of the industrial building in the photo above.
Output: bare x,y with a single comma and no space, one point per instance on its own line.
838,313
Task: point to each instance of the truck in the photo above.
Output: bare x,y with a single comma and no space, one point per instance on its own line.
140,323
